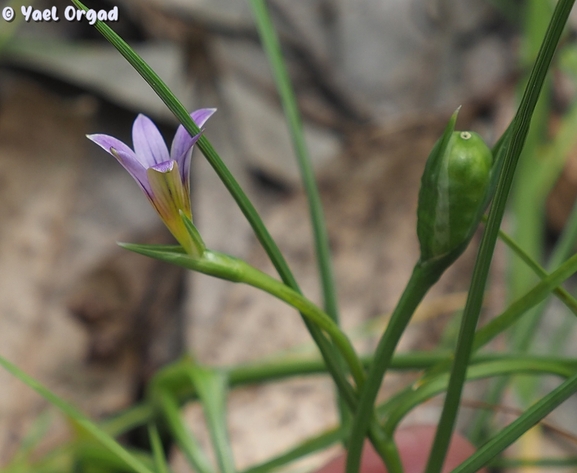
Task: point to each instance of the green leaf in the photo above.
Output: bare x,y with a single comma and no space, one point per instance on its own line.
518,308
79,419
395,409
157,451
272,48
233,269
211,386
184,438
564,296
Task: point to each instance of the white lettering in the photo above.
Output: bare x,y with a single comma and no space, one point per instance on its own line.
91,17
113,14
70,13
26,11
36,15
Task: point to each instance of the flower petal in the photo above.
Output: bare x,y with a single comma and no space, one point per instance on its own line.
181,149
201,116
125,156
149,145
106,142
182,141
184,162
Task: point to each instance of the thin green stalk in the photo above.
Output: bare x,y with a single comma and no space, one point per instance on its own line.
272,48
235,270
533,297
566,242
422,278
212,388
560,253
184,438
415,395
562,250
517,428
128,419
563,295
520,127
157,451
80,421
539,167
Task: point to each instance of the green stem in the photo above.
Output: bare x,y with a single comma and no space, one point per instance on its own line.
235,270
157,451
563,295
256,278
175,377
396,408
520,127
273,49
423,277
184,438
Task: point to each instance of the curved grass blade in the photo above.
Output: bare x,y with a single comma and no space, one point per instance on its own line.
211,386
157,451
184,438
79,419
272,48
517,428
395,410
562,294
233,269
533,297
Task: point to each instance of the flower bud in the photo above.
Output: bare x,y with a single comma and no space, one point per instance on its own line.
453,193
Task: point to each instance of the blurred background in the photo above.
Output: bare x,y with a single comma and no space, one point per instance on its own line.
376,81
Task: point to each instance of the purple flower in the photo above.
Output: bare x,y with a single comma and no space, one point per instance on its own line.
163,177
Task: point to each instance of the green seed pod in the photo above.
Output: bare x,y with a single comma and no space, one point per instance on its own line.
453,193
